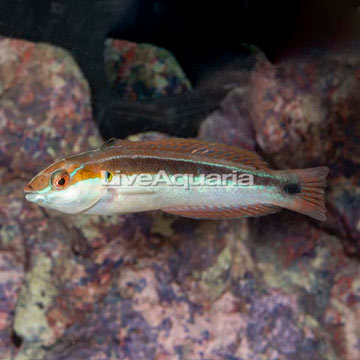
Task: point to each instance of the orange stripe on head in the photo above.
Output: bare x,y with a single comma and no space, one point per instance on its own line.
84,173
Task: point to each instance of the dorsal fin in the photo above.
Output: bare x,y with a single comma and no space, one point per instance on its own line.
114,142
199,148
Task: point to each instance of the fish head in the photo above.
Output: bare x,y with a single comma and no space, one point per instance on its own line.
69,187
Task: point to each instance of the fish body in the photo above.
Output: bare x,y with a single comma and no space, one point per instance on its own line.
186,177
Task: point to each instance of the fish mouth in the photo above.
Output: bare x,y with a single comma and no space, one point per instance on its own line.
67,207
34,197
41,200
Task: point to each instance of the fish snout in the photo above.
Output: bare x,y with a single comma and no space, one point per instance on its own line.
28,188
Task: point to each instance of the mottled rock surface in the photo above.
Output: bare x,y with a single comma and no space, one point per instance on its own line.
151,285
44,114
142,71
231,123
41,89
306,113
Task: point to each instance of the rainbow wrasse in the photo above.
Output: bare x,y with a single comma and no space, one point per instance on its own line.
186,177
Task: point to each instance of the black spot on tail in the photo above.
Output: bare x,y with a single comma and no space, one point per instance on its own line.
292,189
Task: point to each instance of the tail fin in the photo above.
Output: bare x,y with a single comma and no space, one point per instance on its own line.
308,198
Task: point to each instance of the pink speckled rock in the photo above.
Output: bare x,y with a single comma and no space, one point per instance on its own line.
143,71
150,285
305,109
232,123
306,113
45,108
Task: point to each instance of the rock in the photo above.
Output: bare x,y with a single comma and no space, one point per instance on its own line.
12,263
305,109
232,123
310,266
156,286
143,71
44,114
306,113
155,94
45,106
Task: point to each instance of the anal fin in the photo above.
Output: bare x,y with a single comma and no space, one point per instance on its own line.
223,212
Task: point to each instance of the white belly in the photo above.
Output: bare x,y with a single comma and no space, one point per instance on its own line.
118,200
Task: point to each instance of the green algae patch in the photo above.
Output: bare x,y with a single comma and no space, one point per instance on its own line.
214,279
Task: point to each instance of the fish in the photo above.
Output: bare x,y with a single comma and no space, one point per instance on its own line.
198,179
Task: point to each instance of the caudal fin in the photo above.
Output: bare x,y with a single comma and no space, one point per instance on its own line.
306,195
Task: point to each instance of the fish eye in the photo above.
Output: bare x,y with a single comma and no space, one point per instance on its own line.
59,180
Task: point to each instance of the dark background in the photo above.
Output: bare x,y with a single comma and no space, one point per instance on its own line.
203,35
